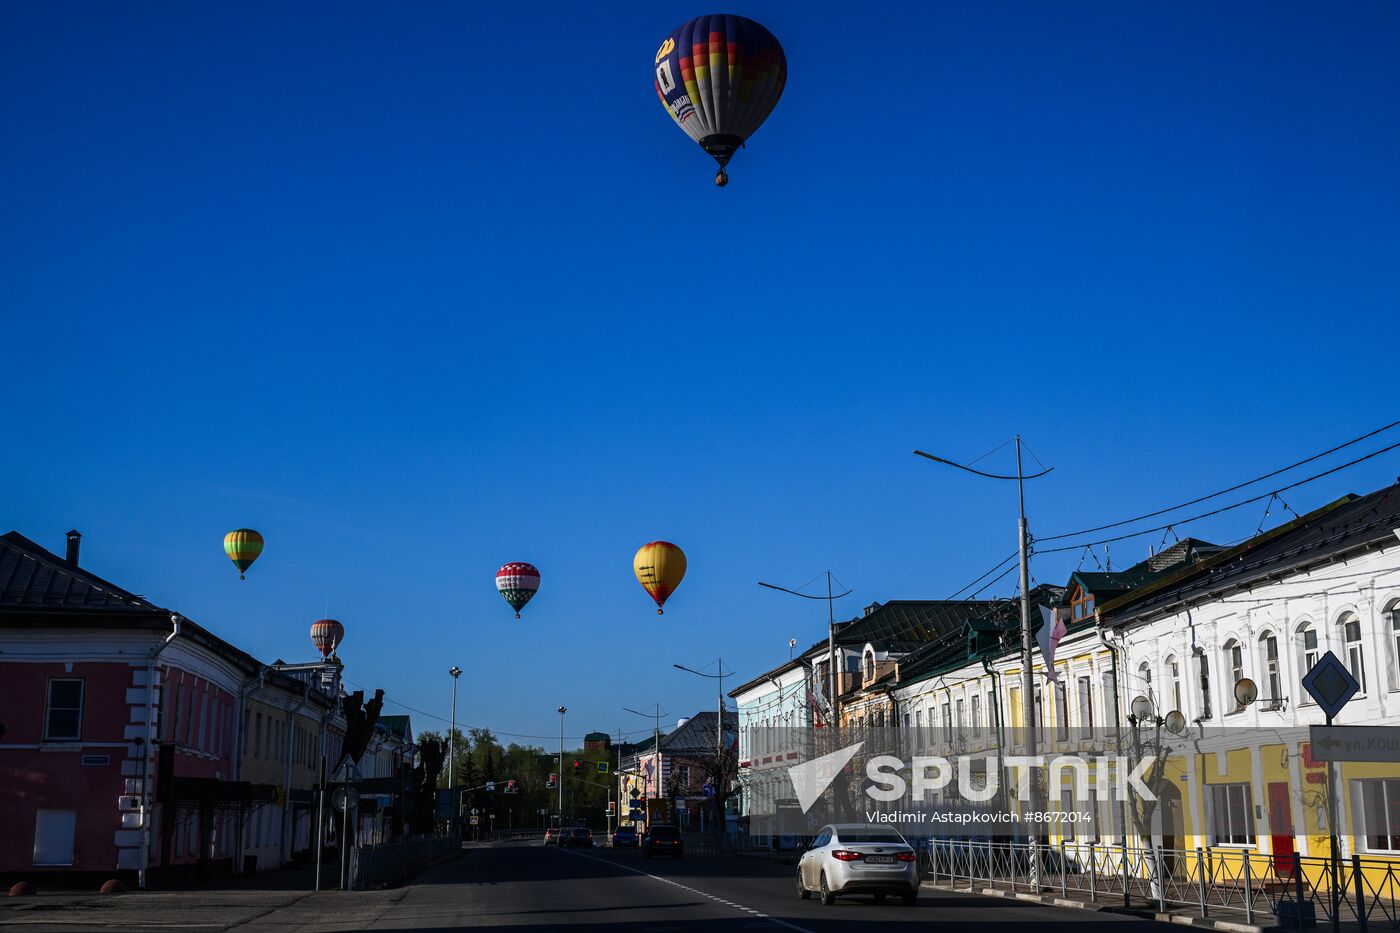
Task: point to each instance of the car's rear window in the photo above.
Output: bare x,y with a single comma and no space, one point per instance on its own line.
872,836
665,832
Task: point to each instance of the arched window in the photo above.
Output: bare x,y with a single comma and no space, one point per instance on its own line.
1392,627
1272,687
1305,637
1203,679
1234,663
1349,627
1174,682
1145,674
870,665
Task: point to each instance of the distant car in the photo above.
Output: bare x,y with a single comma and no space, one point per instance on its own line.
662,839
578,836
856,858
551,836
624,837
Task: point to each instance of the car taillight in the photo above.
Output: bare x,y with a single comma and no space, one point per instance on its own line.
907,857
846,855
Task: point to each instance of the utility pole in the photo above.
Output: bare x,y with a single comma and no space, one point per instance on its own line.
562,711
1027,659
830,598
656,713
452,755
719,714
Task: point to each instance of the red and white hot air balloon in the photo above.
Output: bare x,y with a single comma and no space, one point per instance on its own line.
326,635
517,583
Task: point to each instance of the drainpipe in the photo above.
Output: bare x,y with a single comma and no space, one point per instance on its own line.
149,748
240,737
285,855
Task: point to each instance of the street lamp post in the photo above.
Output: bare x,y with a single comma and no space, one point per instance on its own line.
830,642
1027,676
452,755
560,776
656,714
719,714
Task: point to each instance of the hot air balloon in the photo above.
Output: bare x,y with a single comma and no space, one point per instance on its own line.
243,547
660,567
326,635
518,582
719,77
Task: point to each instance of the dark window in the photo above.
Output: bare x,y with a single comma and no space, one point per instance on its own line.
869,835
65,716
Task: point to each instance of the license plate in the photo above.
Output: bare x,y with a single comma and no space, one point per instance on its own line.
880,859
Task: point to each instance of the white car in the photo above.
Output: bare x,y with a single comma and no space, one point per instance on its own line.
855,858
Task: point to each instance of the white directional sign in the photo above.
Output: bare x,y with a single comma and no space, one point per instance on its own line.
1355,743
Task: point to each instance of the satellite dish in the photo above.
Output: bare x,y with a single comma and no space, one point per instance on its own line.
1176,722
1141,707
1246,692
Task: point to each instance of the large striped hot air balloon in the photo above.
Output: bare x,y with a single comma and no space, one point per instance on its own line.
517,582
719,77
243,547
660,567
326,635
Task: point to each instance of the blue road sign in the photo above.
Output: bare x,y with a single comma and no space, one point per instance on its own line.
1330,684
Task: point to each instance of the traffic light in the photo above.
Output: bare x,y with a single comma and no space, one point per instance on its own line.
577,766
510,787
553,781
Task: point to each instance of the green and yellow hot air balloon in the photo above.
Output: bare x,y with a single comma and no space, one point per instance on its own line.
243,547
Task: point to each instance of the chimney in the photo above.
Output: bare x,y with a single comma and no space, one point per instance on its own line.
74,539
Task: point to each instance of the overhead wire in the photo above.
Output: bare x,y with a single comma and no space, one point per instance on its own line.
1212,512
956,593
1214,495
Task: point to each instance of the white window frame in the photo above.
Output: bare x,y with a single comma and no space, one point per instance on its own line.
1270,668
77,736
1234,660
1217,816
1391,615
1173,672
1389,788
1353,650
1307,657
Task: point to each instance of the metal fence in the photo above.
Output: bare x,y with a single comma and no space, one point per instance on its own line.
1289,891
393,863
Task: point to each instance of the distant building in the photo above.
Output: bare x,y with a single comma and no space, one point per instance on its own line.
120,750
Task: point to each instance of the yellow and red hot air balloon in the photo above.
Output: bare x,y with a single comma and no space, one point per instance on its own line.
243,547
660,567
326,635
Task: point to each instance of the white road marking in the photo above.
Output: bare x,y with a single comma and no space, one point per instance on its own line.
686,887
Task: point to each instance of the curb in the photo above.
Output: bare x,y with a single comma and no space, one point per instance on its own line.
1205,923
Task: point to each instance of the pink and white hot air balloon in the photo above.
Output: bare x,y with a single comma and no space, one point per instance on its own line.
517,582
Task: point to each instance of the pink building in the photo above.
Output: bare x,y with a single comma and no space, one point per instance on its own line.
120,735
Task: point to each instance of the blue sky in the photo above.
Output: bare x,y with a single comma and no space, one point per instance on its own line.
416,291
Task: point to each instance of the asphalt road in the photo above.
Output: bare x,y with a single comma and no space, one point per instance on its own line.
529,885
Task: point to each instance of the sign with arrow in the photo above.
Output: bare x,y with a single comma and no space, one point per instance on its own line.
1355,743
1330,684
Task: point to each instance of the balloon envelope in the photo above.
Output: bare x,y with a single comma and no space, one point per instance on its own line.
243,547
660,567
719,76
326,635
518,582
